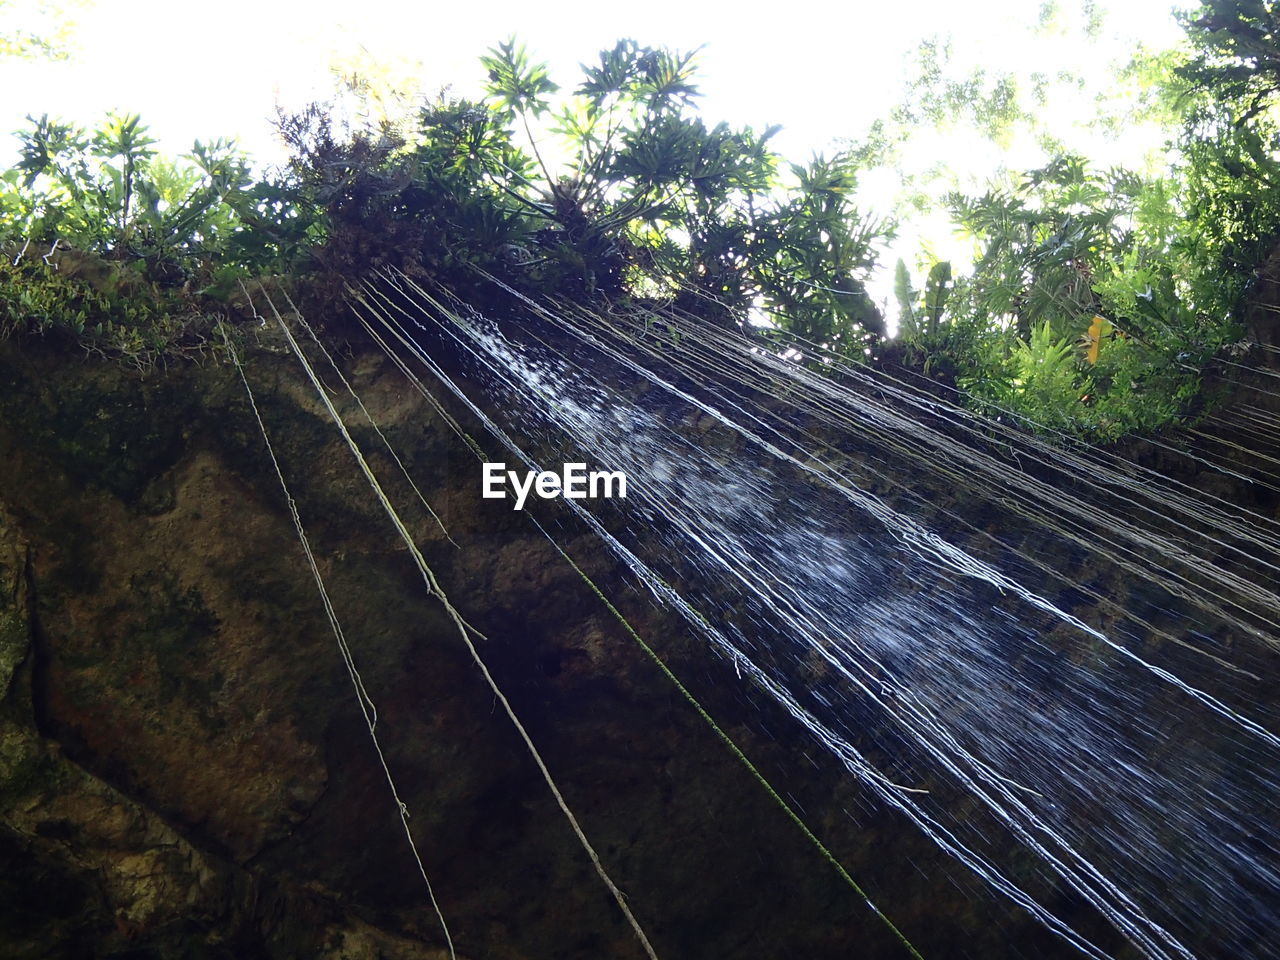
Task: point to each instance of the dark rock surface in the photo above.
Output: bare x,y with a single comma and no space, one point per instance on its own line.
184,771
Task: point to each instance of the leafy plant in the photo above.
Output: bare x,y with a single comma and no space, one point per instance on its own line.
1061,246
108,193
644,199
124,250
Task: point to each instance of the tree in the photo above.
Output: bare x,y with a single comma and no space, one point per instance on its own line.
1237,60
643,170
38,29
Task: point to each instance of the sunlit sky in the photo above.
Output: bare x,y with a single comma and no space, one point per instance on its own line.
824,71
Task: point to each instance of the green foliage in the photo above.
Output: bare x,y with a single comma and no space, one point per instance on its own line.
109,194
1043,241
519,84
937,291
811,253
1061,246
126,251
1232,204
1237,61
646,171
36,29
1169,263
644,198
107,309
641,168
1044,383
617,188
986,102
1043,372
920,313
905,294
647,200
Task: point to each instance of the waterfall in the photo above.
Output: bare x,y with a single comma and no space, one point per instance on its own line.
1132,759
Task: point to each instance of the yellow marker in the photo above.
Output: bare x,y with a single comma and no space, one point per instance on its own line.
1100,327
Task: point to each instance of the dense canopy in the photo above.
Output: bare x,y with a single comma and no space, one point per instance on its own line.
1099,302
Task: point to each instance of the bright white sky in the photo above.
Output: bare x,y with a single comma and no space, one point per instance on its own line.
824,70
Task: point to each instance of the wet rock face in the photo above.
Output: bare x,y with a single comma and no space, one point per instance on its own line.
147,754
185,771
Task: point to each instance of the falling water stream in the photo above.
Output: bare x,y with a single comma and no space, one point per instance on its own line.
1025,742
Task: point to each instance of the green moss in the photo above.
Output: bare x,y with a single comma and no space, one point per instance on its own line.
25,772
174,624
14,642
103,433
